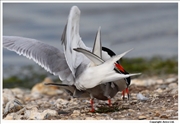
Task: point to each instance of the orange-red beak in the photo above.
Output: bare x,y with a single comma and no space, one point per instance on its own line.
120,67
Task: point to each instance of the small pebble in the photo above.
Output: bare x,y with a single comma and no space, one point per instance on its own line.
173,86
174,91
12,106
157,114
90,118
170,80
76,112
133,102
159,90
131,110
175,103
62,101
142,117
164,116
125,106
164,86
141,97
175,117
62,112
169,111
159,81
13,116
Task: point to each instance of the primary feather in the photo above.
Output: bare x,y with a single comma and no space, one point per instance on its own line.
47,56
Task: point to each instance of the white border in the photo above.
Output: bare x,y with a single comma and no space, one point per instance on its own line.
78,121
84,1
1,56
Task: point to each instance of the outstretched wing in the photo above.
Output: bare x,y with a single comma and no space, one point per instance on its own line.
49,57
71,39
97,47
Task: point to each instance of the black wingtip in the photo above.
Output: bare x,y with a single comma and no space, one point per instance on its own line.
75,49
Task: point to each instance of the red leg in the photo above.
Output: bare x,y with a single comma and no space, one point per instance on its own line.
109,101
92,107
123,94
127,91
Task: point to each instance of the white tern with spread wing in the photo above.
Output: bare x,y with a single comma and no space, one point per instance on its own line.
76,65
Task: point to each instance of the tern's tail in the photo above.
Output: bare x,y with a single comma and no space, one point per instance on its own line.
114,76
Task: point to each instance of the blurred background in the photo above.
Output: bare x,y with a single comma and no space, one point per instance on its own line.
150,28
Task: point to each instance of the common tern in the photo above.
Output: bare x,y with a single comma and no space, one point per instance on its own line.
77,65
102,91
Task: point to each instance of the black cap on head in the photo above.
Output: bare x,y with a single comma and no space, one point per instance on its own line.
111,53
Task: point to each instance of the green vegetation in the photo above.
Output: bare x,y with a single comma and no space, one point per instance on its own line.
107,108
153,66
26,77
149,67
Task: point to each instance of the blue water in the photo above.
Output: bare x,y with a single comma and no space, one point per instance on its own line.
150,28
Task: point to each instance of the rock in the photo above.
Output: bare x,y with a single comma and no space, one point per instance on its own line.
170,80
169,111
9,117
44,89
173,86
63,112
174,91
31,107
62,101
133,102
34,96
163,108
142,117
141,97
155,118
164,116
76,118
76,113
175,104
90,118
159,81
150,82
145,91
138,82
19,93
48,113
8,95
175,117
31,114
131,110
155,95
13,116
159,90
12,106
157,114
125,106
36,114
163,86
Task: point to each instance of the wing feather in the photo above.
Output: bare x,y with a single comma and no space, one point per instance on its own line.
71,39
48,57
97,47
